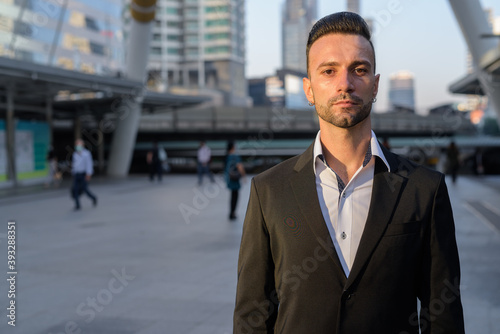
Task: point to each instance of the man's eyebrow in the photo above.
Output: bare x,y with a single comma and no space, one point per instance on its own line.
353,64
361,62
328,64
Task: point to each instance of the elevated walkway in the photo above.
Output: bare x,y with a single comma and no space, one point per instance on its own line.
155,258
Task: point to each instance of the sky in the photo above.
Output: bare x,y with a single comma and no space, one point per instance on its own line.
421,36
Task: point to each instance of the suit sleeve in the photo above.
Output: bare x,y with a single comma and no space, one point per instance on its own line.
439,290
256,300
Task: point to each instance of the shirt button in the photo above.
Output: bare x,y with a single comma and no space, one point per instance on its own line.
343,195
343,235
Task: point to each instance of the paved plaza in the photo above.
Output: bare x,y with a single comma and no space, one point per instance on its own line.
161,257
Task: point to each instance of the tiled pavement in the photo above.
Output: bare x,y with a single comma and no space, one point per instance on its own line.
161,258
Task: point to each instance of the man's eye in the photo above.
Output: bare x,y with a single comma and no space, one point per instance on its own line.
329,71
360,71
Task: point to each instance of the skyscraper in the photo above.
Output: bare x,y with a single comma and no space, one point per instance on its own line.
199,45
402,91
81,35
297,19
353,6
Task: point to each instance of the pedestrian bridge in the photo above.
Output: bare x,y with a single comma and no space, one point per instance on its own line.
290,123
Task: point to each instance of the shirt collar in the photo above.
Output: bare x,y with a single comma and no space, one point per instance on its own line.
374,146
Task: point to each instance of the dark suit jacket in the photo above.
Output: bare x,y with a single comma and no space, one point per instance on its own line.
290,279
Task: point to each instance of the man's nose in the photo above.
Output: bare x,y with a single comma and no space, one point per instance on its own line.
345,81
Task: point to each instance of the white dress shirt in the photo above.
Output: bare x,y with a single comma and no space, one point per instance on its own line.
204,154
345,207
82,162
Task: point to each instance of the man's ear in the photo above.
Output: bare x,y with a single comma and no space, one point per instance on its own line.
375,87
306,85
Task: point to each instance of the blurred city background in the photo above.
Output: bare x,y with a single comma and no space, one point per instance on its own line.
126,75
216,70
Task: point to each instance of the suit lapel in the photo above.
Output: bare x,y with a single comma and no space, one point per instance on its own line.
387,187
304,187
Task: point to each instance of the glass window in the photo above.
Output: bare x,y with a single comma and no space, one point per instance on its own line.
173,51
97,49
173,11
77,19
217,36
217,9
156,51
91,24
66,63
173,38
217,49
6,24
217,23
173,24
28,4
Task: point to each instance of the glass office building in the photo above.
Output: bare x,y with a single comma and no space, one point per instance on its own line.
81,35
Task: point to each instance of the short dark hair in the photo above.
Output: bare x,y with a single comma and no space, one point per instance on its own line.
346,23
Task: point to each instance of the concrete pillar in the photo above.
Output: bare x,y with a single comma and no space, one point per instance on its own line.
124,137
10,137
473,23
77,128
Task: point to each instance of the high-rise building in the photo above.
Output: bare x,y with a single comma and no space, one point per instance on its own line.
353,6
297,19
402,91
81,35
199,46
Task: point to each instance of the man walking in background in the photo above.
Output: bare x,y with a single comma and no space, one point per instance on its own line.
204,159
82,169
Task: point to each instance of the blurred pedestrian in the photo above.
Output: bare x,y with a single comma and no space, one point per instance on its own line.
82,169
386,144
234,171
204,159
452,161
478,161
54,177
154,162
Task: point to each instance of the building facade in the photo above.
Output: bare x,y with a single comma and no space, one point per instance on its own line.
85,35
298,17
353,6
198,46
402,91
282,90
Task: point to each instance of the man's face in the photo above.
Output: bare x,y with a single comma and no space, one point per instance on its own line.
341,82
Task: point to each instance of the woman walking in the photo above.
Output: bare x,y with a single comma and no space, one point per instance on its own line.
234,171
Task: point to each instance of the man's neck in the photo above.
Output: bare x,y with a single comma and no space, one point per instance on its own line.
345,149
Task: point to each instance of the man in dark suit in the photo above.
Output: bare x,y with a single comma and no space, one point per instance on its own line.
346,237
